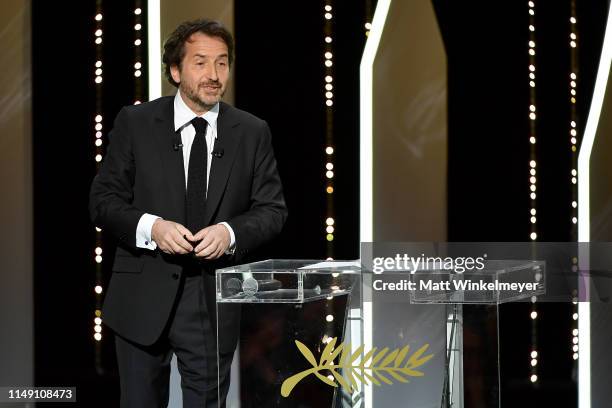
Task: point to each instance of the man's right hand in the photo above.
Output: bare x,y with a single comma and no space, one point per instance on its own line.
170,237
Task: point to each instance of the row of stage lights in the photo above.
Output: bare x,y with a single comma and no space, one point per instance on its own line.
328,89
533,235
532,121
329,151
98,129
138,29
573,85
98,120
573,77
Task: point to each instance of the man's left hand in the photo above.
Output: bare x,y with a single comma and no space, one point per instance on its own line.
215,242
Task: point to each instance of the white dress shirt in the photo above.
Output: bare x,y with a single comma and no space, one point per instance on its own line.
183,116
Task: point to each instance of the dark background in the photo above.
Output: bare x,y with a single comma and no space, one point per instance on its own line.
279,77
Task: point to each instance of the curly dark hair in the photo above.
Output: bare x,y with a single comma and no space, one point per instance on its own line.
174,47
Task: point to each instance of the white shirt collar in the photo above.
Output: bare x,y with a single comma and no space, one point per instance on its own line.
183,114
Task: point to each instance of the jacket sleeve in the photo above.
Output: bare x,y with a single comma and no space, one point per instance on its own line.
111,194
268,212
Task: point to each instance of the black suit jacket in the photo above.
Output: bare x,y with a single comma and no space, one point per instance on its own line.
143,173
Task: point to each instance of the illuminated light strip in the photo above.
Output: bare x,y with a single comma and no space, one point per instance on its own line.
329,165
328,88
154,48
365,173
584,227
366,113
573,139
533,235
97,130
138,68
532,119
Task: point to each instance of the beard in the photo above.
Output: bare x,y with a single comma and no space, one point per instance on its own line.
194,94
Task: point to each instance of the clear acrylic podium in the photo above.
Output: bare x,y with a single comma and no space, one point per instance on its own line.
278,303
307,333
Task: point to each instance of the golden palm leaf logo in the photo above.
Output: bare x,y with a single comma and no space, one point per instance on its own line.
376,366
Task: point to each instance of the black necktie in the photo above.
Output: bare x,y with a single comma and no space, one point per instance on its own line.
196,177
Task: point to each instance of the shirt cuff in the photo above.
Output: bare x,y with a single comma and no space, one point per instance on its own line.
232,246
143,232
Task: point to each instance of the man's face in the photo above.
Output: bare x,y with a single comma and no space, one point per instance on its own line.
203,73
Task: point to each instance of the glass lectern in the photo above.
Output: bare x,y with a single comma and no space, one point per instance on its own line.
307,333
278,304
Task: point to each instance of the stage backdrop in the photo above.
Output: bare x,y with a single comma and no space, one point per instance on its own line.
410,127
409,152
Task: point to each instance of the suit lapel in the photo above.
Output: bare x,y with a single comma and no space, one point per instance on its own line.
228,140
171,159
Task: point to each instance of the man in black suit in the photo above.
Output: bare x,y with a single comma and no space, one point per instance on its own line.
189,184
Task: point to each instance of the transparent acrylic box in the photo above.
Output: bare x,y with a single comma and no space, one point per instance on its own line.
460,326
274,304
